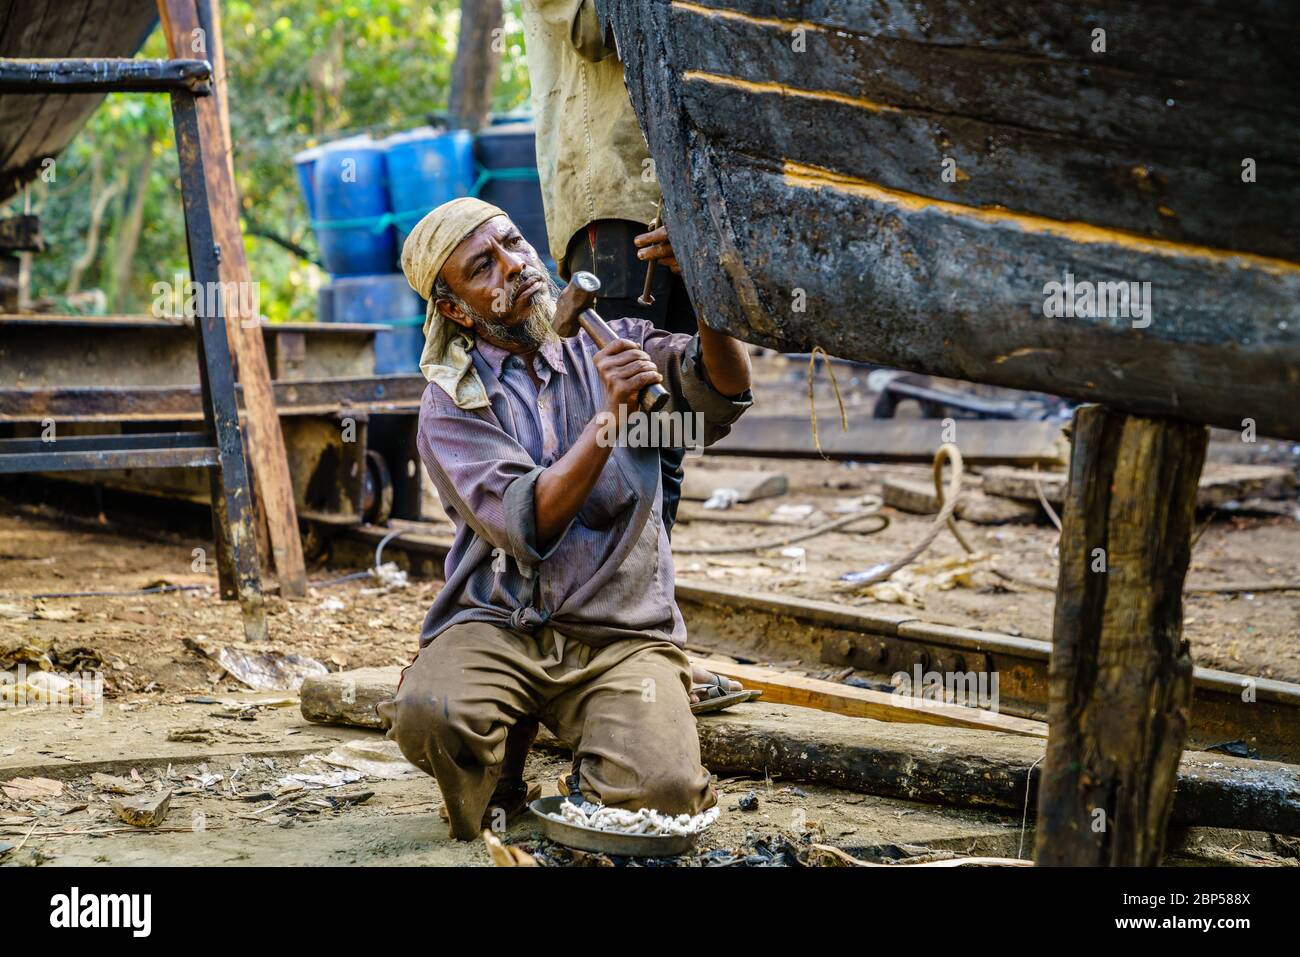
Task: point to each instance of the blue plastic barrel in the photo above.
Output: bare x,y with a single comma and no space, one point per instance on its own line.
386,299
304,164
353,225
507,155
325,303
426,168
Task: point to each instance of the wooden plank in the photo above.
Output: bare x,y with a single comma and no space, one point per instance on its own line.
265,441
1160,192
749,484
1121,673
782,688
209,12
1223,45
1227,483
1219,483
1022,127
298,397
982,442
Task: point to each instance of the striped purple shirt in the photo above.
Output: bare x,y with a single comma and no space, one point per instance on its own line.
609,575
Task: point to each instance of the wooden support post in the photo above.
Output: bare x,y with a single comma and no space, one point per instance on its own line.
187,36
1121,674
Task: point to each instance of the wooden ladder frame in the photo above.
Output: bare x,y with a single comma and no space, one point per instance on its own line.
219,448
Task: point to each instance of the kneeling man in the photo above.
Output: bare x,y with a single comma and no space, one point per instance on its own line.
559,604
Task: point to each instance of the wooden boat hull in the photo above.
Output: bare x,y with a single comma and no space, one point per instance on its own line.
901,183
36,127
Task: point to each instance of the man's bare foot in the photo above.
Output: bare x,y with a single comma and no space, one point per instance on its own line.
509,799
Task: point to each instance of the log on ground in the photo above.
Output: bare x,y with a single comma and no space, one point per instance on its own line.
957,767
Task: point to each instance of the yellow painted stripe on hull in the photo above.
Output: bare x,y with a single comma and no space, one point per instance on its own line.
815,177
756,86
736,15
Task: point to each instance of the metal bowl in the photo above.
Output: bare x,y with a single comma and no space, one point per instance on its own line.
606,842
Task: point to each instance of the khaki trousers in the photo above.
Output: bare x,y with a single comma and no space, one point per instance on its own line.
623,708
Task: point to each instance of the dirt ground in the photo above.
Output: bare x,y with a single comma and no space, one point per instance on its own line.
226,762
230,807
1252,633
171,717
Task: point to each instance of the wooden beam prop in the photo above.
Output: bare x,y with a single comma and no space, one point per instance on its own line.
187,36
847,176
210,18
1120,674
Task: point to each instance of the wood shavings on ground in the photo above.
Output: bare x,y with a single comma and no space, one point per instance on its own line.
646,821
908,585
46,689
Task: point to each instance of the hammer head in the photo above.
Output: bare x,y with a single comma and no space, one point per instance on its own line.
578,295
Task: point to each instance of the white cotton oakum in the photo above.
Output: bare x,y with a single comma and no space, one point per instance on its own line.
646,821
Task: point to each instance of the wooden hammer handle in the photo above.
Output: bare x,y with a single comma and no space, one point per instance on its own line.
646,298
654,396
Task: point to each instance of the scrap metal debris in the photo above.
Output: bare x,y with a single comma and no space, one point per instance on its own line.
26,789
722,498
264,671
377,759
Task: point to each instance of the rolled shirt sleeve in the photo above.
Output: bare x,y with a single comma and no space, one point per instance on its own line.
678,358
484,475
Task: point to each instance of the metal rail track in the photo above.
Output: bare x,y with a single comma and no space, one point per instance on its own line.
1262,713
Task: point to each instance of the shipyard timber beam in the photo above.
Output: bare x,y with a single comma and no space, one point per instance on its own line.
978,193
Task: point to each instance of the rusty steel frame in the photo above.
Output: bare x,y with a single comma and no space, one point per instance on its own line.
222,449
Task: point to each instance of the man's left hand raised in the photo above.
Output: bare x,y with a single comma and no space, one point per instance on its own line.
656,245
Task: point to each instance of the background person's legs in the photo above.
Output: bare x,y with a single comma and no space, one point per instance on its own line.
457,703
636,736
606,249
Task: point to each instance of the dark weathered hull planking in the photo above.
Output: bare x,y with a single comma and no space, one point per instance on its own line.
801,146
36,128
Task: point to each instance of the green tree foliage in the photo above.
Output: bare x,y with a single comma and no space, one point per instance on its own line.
301,73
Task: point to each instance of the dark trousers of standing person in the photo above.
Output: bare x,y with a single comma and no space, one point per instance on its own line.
606,248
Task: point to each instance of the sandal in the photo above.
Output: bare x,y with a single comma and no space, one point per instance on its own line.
714,696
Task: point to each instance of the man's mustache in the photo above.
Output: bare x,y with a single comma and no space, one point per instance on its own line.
528,275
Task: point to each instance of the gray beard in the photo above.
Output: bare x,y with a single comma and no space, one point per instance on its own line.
533,332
